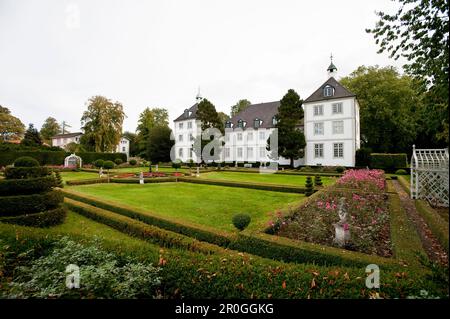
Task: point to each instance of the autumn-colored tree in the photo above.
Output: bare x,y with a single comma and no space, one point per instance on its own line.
49,129
11,127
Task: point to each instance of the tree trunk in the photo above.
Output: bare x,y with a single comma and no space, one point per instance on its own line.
292,162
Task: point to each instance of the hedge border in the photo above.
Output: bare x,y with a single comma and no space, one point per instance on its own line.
28,204
146,180
26,186
43,219
87,181
256,171
438,226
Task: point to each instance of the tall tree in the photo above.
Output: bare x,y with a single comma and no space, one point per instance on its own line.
11,127
389,105
159,144
32,137
419,31
102,123
223,117
291,140
50,128
239,106
148,119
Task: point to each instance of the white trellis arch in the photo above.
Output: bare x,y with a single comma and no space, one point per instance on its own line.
72,161
429,175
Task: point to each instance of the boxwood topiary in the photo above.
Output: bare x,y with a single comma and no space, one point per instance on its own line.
43,219
241,221
340,169
26,172
99,163
26,186
108,165
401,172
26,161
118,161
26,204
132,162
309,187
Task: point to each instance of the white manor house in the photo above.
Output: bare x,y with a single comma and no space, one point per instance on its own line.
330,124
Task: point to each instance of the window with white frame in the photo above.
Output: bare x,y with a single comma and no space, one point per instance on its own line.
262,152
180,152
124,149
241,123
256,123
318,150
189,125
249,136
262,136
239,136
180,126
338,150
227,152
274,120
249,152
318,128
337,108
338,127
318,110
239,152
328,91
180,138
191,152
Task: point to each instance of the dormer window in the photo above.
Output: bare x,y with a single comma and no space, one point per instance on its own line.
274,120
328,91
186,113
240,123
228,124
256,123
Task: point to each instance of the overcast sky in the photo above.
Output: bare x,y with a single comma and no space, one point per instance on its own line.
56,54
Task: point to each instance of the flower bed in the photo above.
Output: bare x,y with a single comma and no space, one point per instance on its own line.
367,215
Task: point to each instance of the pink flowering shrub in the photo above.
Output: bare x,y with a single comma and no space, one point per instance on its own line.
369,180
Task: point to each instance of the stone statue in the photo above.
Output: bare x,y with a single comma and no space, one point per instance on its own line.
141,178
342,229
101,172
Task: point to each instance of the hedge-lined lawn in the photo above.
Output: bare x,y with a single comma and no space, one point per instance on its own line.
278,179
139,169
71,176
202,204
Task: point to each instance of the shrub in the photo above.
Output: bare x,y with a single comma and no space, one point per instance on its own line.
118,161
99,163
309,186
26,204
389,162
44,219
132,162
363,157
176,164
340,169
91,157
26,172
58,178
26,186
401,172
43,157
108,165
26,161
317,180
241,221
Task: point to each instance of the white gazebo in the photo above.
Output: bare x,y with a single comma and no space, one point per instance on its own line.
429,175
72,161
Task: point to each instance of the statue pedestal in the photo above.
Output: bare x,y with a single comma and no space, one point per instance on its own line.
342,234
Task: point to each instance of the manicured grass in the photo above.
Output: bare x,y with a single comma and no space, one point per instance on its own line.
278,179
139,169
202,204
71,176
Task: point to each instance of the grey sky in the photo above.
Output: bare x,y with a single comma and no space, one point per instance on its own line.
56,54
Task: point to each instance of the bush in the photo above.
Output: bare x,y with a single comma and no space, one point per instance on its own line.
99,163
176,164
389,162
317,180
108,165
363,157
58,178
241,221
43,157
401,172
132,162
26,161
118,161
309,188
26,172
91,157
26,186
44,219
26,204
340,169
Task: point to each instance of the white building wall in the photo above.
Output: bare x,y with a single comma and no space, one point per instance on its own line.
185,130
124,147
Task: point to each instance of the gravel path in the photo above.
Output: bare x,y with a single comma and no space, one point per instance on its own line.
431,245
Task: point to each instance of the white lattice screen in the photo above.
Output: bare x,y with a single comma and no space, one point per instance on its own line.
429,176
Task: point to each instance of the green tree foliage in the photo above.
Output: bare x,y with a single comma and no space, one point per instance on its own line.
73,147
148,119
49,129
102,123
291,140
11,127
159,144
389,104
419,31
239,107
223,117
31,137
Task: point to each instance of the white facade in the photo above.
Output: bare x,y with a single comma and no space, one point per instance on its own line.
332,132
124,147
184,133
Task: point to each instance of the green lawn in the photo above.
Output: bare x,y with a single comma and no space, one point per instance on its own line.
294,180
202,204
139,169
70,176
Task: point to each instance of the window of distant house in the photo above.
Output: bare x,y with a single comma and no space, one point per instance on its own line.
250,136
180,126
227,124
338,127
227,152
191,153
249,152
186,113
180,152
239,136
337,108
262,136
318,110
256,123
123,149
274,120
318,150
180,138
328,91
239,152
318,128
189,124
241,123
338,150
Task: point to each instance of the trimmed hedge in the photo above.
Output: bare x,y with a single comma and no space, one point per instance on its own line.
91,157
27,204
26,172
267,187
389,162
146,180
26,186
26,161
438,226
87,181
44,219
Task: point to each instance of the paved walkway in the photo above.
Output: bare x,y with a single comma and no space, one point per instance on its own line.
430,244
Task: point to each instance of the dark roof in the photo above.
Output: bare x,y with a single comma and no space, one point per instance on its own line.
68,135
261,111
332,67
193,113
339,92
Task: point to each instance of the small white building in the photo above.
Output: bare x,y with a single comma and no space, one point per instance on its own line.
124,146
